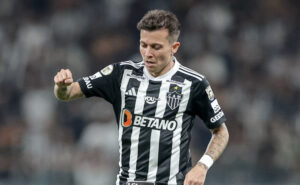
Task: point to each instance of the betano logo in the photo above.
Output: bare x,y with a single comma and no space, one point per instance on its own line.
128,118
148,122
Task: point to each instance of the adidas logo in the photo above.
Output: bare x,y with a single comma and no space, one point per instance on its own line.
131,92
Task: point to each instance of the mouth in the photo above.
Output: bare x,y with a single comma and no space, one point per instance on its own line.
149,63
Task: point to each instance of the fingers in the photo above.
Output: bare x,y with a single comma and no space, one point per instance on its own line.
196,176
192,182
63,77
68,74
186,182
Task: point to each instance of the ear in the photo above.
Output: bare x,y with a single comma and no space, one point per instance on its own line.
175,47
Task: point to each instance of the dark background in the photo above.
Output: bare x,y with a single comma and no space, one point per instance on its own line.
249,51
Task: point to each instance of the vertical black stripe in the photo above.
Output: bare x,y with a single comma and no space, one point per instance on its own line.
164,158
145,133
143,154
152,93
126,150
185,159
127,131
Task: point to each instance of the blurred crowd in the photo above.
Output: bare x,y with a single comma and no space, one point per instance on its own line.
248,50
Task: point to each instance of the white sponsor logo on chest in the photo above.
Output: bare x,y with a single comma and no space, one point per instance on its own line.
155,123
151,100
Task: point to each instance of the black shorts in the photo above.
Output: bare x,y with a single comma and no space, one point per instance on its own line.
139,183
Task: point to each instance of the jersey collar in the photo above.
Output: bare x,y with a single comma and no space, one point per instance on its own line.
167,75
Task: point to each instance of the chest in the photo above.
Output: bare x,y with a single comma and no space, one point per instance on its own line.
161,99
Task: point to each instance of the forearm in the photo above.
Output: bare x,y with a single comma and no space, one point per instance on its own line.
218,142
69,92
215,148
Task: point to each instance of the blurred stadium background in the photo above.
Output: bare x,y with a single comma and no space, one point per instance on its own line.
249,50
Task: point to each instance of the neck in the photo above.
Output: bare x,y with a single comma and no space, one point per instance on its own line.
165,69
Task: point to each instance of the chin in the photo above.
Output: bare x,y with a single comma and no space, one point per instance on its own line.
151,70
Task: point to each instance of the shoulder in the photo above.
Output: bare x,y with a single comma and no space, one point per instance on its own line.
117,69
195,77
130,65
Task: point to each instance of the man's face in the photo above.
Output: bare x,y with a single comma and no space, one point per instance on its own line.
157,51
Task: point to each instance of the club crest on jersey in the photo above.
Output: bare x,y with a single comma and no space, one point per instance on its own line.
174,98
107,70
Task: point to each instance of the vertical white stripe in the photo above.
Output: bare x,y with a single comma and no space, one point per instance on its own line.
133,152
162,103
123,87
139,107
155,134
133,91
140,99
175,157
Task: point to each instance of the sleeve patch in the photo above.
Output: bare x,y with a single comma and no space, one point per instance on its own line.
215,105
217,117
95,76
107,70
210,93
88,82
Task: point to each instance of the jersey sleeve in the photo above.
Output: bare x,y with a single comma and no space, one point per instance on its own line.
206,105
103,83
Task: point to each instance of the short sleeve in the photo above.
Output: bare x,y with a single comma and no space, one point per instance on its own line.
103,83
206,105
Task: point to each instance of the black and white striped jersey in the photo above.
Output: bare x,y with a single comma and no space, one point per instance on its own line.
154,117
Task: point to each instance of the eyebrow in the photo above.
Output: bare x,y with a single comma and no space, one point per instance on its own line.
153,44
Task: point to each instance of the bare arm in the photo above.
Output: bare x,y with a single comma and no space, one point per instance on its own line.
218,142
65,88
216,146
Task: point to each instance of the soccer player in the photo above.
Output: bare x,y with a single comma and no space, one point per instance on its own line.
155,102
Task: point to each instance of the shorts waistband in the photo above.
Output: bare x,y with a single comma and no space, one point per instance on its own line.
139,183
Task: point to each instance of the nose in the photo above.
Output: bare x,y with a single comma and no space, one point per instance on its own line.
148,52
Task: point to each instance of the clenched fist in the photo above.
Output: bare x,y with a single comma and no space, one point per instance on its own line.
63,78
